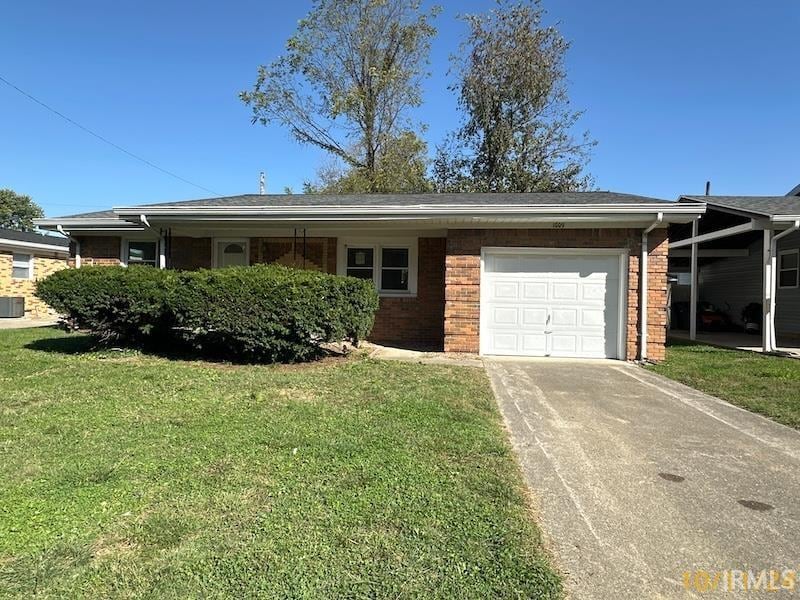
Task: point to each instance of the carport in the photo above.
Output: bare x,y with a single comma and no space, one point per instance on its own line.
744,250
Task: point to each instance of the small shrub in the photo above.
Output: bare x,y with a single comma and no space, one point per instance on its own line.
259,313
125,305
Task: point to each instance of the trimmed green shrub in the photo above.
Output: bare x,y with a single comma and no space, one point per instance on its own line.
259,313
125,305
271,313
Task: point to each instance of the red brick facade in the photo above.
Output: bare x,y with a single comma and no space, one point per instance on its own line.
188,254
315,253
446,311
462,295
97,250
417,322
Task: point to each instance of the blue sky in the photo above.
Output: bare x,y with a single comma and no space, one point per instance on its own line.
675,93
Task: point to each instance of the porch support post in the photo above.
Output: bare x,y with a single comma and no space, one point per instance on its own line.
77,254
693,286
767,342
162,252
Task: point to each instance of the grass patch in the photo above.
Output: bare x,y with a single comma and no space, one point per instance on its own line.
769,385
128,474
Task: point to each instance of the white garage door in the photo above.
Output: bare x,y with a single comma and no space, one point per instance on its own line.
539,304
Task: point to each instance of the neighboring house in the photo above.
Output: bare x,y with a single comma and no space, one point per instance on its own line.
501,274
24,258
741,242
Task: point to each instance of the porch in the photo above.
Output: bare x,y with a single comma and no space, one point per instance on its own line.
737,269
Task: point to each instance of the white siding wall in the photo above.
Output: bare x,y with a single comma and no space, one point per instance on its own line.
733,283
787,312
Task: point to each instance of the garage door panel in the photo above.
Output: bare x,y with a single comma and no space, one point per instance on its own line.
550,305
593,317
564,344
564,291
505,290
565,317
594,291
534,317
534,344
593,346
505,315
504,343
534,290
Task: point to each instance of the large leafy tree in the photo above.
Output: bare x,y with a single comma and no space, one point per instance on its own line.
517,134
401,168
348,78
18,211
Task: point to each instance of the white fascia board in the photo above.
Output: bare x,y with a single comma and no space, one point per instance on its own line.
370,212
33,246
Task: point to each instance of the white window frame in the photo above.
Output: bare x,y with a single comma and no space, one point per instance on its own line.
218,241
796,269
125,250
378,245
29,265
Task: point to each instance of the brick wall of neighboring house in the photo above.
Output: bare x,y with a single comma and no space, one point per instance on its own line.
97,250
42,267
417,322
189,254
462,293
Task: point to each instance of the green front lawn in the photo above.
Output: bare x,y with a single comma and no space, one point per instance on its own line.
769,385
131,475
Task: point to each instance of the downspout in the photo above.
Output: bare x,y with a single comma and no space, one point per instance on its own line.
77,243
161,260
773,255
643,290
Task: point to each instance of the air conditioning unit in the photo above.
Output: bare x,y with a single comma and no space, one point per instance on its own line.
12,307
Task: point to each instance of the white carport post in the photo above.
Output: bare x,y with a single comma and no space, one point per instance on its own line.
693,286
768,293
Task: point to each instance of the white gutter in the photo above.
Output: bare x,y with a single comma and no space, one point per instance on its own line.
773,255
32,246
643,289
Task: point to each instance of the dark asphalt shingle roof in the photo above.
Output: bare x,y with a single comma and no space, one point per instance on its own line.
580,198
36,238
768,206
99,214
405,200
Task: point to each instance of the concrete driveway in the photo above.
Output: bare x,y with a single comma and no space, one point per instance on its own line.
639,479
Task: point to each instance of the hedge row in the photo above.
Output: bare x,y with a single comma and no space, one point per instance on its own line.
260,313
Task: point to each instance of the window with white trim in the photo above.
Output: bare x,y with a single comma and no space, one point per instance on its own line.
22,266
392,267
141,253
788,268
361,263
